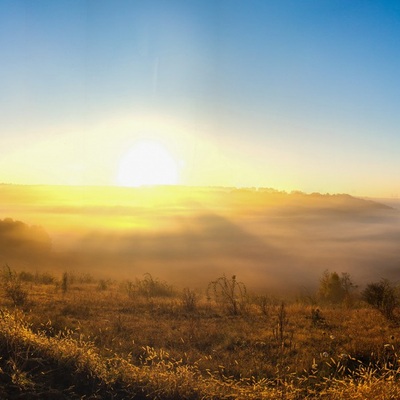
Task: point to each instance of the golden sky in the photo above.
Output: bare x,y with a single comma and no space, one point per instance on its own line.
206,93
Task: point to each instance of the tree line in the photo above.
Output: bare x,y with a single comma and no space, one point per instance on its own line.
382,295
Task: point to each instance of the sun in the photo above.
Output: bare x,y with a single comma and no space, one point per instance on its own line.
147,163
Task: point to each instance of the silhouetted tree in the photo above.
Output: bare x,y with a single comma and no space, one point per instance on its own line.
382,296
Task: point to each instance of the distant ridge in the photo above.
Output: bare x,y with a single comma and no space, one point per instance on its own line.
236,195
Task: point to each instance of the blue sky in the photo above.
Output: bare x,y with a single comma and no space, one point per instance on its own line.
285,94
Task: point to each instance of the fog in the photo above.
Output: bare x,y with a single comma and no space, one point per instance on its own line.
189,236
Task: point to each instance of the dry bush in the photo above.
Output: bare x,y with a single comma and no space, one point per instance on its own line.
382,296
149,288
12,287
229,293
189,300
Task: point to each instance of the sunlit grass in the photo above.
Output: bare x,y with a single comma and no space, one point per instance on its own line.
141,339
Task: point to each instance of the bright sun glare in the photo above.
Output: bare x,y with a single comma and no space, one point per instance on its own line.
148,163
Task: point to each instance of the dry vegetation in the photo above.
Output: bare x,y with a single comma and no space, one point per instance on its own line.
74,337
200,334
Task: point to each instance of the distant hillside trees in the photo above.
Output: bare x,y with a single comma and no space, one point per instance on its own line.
335,289
18,239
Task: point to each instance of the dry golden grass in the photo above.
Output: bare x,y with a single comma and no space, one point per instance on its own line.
114,340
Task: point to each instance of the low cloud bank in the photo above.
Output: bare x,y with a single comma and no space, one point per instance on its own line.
270,240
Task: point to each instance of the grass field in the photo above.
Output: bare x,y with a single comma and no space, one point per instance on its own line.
75,336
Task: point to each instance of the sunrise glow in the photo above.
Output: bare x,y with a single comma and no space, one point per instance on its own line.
147,163
243,94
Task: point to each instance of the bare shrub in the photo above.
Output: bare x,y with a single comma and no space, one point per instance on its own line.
103,284
264,303
65,282
280,330
151,287
13,288
129,288
229,293
189,300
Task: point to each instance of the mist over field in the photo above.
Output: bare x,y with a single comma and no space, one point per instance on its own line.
188,236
